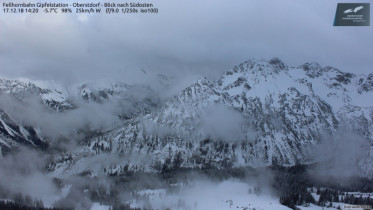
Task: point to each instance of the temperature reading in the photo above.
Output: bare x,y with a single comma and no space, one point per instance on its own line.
50,10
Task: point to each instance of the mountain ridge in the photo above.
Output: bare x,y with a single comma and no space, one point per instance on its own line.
282,107
258,113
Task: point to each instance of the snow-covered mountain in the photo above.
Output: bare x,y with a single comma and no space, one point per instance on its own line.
259,113
13,132
49,92
20,96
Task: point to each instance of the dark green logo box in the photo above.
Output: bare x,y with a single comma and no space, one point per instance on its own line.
352,14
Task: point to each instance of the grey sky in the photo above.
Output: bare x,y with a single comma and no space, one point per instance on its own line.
187,38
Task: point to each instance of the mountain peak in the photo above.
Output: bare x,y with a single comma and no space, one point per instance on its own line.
277,63
260,65
313,69
311,66
202,81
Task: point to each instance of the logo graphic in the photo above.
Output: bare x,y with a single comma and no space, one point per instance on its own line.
353,10
352,14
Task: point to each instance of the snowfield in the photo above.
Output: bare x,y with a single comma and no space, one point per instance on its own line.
202,195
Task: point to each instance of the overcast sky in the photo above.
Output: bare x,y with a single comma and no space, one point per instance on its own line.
187,37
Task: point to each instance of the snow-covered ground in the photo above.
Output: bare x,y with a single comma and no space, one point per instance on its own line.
98,206
230,194
335,205
207,195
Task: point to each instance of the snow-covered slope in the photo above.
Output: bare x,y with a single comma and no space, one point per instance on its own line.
49,92
14,132
259,113
127,101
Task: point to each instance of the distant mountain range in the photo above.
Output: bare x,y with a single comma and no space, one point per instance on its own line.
257,114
